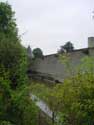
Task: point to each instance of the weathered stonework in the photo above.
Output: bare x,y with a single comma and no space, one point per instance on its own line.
50,66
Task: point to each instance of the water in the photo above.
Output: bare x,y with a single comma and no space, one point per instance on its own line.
42,105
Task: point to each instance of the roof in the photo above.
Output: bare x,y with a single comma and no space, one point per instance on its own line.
76,50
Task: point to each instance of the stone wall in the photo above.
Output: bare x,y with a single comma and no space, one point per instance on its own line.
52,66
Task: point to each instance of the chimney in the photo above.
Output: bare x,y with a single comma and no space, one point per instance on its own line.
90,42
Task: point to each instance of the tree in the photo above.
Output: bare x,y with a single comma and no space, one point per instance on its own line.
73,101
7,20
14,58
13,55
75,95
5,96
16,107
37,52
23,110
68,47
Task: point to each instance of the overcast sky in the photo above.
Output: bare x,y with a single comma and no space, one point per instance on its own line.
48,24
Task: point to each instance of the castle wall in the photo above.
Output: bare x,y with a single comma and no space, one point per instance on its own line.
52,65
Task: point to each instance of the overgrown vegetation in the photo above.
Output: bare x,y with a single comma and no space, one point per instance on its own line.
72,102
16,108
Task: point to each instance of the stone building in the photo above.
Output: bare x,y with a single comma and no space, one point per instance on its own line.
53,69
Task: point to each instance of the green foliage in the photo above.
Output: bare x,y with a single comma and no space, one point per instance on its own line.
87,65
12,54
7,21
69,68
24,111
5,93
5,123
48,95
37,52
73,101
77,100
68,47
16,107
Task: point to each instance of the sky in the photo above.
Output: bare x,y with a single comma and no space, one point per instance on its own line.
49,24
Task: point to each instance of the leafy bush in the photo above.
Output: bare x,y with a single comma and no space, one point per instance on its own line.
73,101
5,123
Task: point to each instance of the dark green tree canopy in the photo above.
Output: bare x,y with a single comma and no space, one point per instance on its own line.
7,20
37,52
68,47
12,53
16,107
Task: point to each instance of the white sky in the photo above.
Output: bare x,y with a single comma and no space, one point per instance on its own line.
48,24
